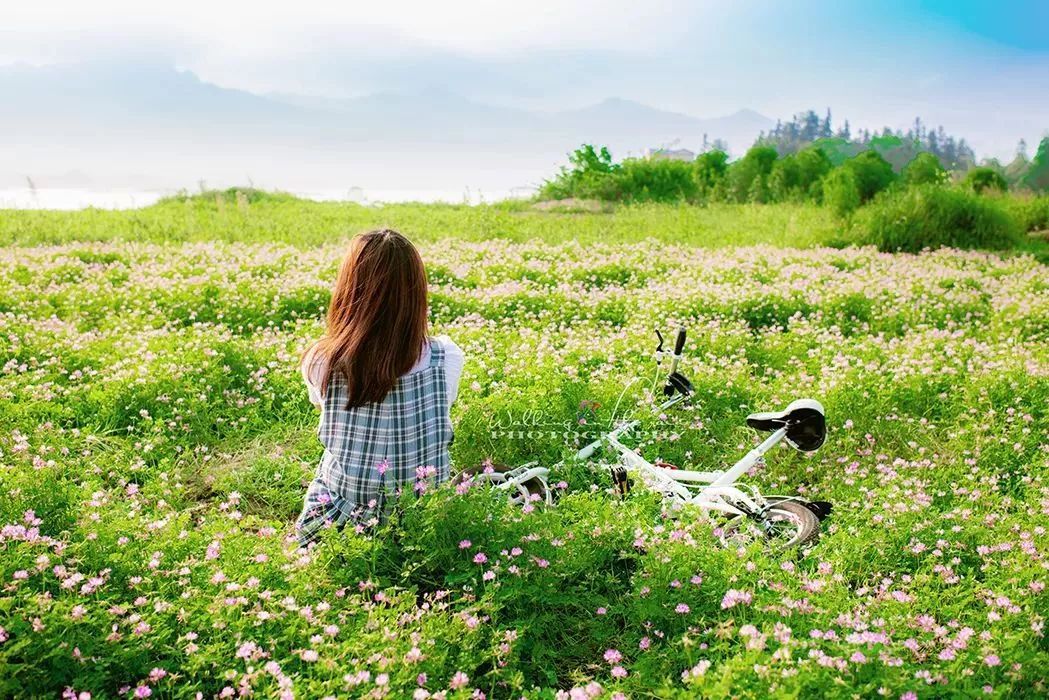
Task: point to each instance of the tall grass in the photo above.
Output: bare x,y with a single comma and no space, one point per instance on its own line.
306,223
930,216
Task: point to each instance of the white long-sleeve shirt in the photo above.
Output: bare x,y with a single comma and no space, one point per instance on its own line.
314,366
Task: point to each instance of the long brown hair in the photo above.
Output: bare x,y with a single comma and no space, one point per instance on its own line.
377,317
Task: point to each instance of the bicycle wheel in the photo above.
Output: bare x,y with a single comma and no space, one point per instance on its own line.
787,524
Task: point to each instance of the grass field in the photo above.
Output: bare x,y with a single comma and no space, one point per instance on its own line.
155,443
280,218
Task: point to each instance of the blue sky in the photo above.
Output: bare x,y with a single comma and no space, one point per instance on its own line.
1023,26
979,68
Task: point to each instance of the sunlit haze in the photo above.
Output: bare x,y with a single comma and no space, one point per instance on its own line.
981,70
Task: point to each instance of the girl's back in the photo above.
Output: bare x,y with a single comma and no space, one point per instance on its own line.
383,385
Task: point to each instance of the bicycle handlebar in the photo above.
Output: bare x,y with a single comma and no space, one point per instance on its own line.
679,344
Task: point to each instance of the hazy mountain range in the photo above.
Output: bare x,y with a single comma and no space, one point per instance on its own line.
152,125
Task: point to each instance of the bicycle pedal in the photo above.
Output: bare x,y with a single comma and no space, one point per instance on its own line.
820,508
620,481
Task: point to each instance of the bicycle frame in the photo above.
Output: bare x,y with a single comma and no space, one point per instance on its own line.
707,490
515,480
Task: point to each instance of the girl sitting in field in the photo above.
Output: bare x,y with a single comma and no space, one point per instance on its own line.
383,385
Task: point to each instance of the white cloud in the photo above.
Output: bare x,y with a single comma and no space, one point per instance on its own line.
244,26
702,57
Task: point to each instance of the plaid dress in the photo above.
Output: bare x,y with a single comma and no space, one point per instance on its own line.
373,452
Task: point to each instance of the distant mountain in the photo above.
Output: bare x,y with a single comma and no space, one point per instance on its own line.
146,117
624,125
433,116
125,93
631,125
115,96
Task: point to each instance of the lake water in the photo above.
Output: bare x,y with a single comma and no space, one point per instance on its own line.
70,199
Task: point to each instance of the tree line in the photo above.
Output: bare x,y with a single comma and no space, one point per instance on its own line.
897,146
910,199
796,162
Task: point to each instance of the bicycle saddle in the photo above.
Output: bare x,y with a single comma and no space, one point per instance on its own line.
804,420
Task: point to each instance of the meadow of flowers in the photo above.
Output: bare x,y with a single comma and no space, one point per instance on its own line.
155,443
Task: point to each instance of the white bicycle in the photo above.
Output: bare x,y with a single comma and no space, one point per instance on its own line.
782,521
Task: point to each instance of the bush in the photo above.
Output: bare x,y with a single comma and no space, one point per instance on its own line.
652,180
748,176
231,195
1031,213
979,180
594,175
813,165
783,180
931,217
925,169
1037,177
589,176
840,192
710,169
796,177
872,172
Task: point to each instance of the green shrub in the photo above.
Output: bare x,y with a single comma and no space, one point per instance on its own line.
872,172
1036,216
840,192
590,176
656,180
594,175
979,180
748,176
813,165
925,169
234,196
1036,178
797,176
931,217
710,169
783,180
1031,213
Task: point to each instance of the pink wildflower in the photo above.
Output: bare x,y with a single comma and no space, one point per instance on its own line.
733,598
